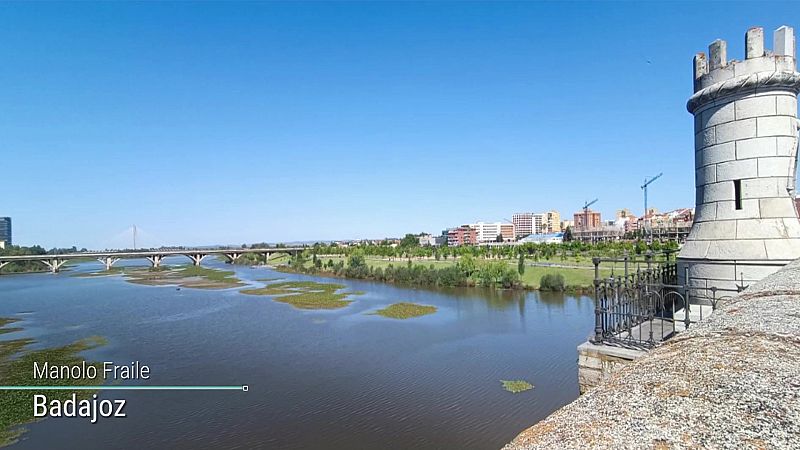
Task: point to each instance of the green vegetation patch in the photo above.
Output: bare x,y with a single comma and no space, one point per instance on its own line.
552,282
188,276
16,369
516,386
405,310
7,321
215,275
305,294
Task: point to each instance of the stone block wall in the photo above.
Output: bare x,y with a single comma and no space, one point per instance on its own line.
746,138
598,362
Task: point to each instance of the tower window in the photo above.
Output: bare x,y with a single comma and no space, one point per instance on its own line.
737,193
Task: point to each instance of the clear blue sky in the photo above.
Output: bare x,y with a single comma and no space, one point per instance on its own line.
212,123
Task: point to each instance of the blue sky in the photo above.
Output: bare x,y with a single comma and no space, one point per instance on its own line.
208,123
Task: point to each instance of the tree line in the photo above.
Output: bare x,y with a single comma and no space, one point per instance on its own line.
410,248
466,272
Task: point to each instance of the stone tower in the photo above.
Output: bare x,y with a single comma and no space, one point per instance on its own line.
746,136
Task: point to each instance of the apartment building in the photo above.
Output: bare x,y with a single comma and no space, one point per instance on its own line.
587,220
488,231
552,221
463,235
532,223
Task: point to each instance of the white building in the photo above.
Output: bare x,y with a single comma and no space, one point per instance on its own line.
426,239
546,238
528,223
488,231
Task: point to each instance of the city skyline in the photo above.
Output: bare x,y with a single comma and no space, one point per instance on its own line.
190,122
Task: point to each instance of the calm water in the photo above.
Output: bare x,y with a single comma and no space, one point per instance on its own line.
338,379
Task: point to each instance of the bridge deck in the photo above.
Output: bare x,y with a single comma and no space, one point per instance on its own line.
146,253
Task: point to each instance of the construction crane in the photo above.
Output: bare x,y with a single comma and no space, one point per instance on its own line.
644,188
586,206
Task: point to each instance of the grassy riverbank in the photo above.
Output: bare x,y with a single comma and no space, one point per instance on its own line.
577,278
16,363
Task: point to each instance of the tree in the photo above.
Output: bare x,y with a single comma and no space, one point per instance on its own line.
467,265
568,234
521,265
499,238
357,266
409,240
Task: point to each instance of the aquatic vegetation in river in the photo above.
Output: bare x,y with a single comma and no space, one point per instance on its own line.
516,386
16,370
188,276
405,310
305,294
7,321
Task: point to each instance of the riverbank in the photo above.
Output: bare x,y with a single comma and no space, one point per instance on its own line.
574,279
728,382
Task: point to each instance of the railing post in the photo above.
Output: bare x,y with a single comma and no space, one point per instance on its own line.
713,298
686,296
598,309
625,256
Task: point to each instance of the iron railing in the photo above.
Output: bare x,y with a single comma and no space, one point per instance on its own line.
641,308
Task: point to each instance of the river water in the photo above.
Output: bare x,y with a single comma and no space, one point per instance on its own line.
336,379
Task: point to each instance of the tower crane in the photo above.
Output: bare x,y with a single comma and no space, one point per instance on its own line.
586,206
644,188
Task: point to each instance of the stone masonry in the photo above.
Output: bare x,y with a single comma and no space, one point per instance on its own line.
746,136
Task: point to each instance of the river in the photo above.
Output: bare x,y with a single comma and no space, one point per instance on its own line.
334,379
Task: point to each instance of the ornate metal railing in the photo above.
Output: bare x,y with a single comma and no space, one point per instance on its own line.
641,308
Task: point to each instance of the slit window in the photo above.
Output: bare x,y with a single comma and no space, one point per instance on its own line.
737,194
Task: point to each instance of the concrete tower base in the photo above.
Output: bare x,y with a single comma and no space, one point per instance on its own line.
727,276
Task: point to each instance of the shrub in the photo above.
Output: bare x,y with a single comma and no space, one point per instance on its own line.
551,282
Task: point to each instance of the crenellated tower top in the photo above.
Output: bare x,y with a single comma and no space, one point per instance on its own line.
715,76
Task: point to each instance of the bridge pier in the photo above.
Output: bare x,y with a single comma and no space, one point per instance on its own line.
196,258
4,263
54,264
155,260
232,257
108,261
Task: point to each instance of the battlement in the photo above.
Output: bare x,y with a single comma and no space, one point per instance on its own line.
716,68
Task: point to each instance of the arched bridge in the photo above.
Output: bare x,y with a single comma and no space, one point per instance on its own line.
55,262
